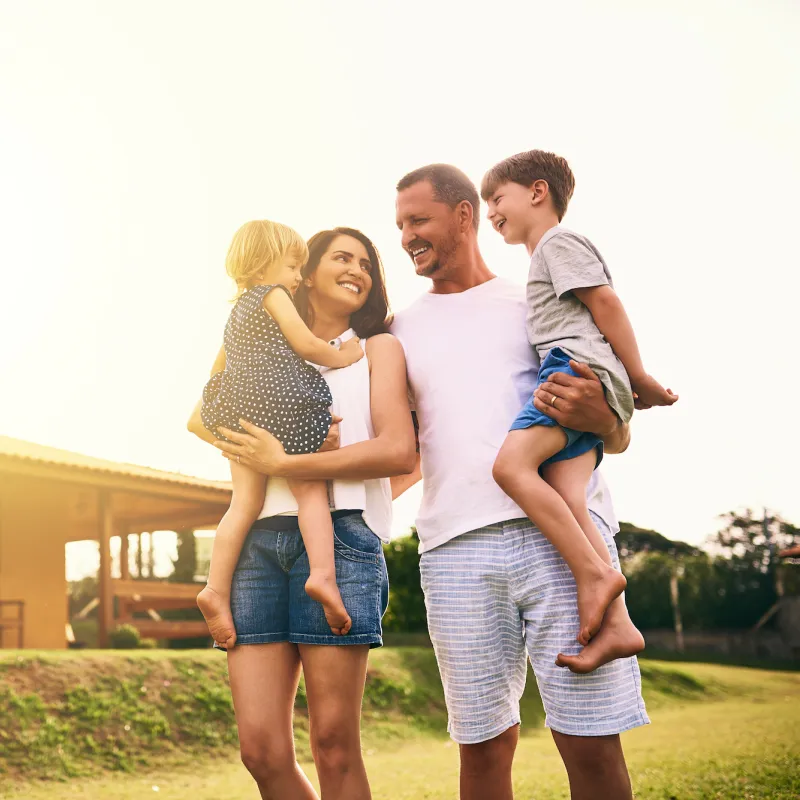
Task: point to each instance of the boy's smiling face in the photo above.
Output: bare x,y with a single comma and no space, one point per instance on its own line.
510,207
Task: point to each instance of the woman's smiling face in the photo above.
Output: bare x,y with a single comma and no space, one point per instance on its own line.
343,277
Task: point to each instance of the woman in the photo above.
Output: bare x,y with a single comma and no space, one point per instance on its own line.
280,629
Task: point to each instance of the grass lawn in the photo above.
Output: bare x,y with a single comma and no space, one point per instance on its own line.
718,732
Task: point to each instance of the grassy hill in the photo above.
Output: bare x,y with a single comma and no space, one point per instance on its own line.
78,715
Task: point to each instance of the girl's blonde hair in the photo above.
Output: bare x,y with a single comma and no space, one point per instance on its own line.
260,244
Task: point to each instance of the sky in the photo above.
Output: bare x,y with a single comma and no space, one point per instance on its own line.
135,138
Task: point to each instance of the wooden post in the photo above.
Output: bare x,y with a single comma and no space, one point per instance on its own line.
676,610
139,555
150,554
124,567
105,614
124,572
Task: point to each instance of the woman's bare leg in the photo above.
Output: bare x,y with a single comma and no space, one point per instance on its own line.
516,471
316,527
618,637
215,599
264,680
335,678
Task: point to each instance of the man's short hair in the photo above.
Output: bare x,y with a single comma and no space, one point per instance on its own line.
526,169
450,185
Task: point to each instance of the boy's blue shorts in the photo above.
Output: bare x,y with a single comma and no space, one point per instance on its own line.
578,442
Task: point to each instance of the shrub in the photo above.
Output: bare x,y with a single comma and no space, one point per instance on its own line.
125,637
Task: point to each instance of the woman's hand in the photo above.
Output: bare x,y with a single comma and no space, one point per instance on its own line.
580,403
332,439
257,449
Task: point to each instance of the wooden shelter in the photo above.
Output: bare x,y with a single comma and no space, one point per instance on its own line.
50,497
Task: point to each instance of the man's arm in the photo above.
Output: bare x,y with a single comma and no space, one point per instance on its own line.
580,404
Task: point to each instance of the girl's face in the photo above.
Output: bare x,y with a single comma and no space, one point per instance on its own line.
286,272
342,281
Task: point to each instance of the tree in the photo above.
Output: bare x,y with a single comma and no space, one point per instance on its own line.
632,539
746,559
406,610
185,564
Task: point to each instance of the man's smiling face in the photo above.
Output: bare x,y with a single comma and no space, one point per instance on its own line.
429,228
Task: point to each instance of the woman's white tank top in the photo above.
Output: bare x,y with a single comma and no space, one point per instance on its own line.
350,388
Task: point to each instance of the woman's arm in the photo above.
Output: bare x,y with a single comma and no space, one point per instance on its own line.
391,452
280,307
402,483
195,423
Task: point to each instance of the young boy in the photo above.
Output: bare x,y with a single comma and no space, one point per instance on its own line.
574,315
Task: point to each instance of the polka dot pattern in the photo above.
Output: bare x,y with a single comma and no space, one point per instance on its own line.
266,382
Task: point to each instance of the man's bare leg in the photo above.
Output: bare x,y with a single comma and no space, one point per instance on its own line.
595,766
486,767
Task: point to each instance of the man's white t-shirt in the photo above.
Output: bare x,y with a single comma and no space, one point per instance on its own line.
470,371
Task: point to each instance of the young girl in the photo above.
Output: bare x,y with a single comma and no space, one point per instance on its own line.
262,376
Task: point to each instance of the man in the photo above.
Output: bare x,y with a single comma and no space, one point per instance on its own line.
494,587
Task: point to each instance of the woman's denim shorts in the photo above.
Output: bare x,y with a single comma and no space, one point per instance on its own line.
268,596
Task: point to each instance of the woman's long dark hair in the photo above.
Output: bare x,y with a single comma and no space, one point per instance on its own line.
373,317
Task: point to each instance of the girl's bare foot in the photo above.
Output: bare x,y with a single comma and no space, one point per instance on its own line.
618,638
595,595
217,612
321,586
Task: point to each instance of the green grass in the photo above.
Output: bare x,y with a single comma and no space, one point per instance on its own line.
719,732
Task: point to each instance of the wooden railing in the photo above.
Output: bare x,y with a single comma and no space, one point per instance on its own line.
152,597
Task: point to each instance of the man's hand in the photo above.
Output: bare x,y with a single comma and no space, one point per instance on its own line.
577,403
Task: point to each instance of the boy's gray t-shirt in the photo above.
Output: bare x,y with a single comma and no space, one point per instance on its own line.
561,262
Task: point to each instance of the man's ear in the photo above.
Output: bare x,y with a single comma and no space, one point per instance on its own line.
466,213
539,192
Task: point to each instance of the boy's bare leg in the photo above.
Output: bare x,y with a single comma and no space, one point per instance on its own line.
618,637
214,600
486,767
516,470
595,766
316,527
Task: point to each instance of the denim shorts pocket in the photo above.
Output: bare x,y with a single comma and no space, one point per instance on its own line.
352,539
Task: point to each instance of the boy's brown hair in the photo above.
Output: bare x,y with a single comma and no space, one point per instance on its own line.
527,168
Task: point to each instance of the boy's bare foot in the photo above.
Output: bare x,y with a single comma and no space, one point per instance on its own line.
321,586
618,638
217,612
595,595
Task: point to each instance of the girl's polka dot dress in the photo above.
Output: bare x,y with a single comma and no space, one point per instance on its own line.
266,382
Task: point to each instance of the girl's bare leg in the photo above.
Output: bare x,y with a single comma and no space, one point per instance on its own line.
335,678
264,680
215,599
316,527
516,470
618,637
